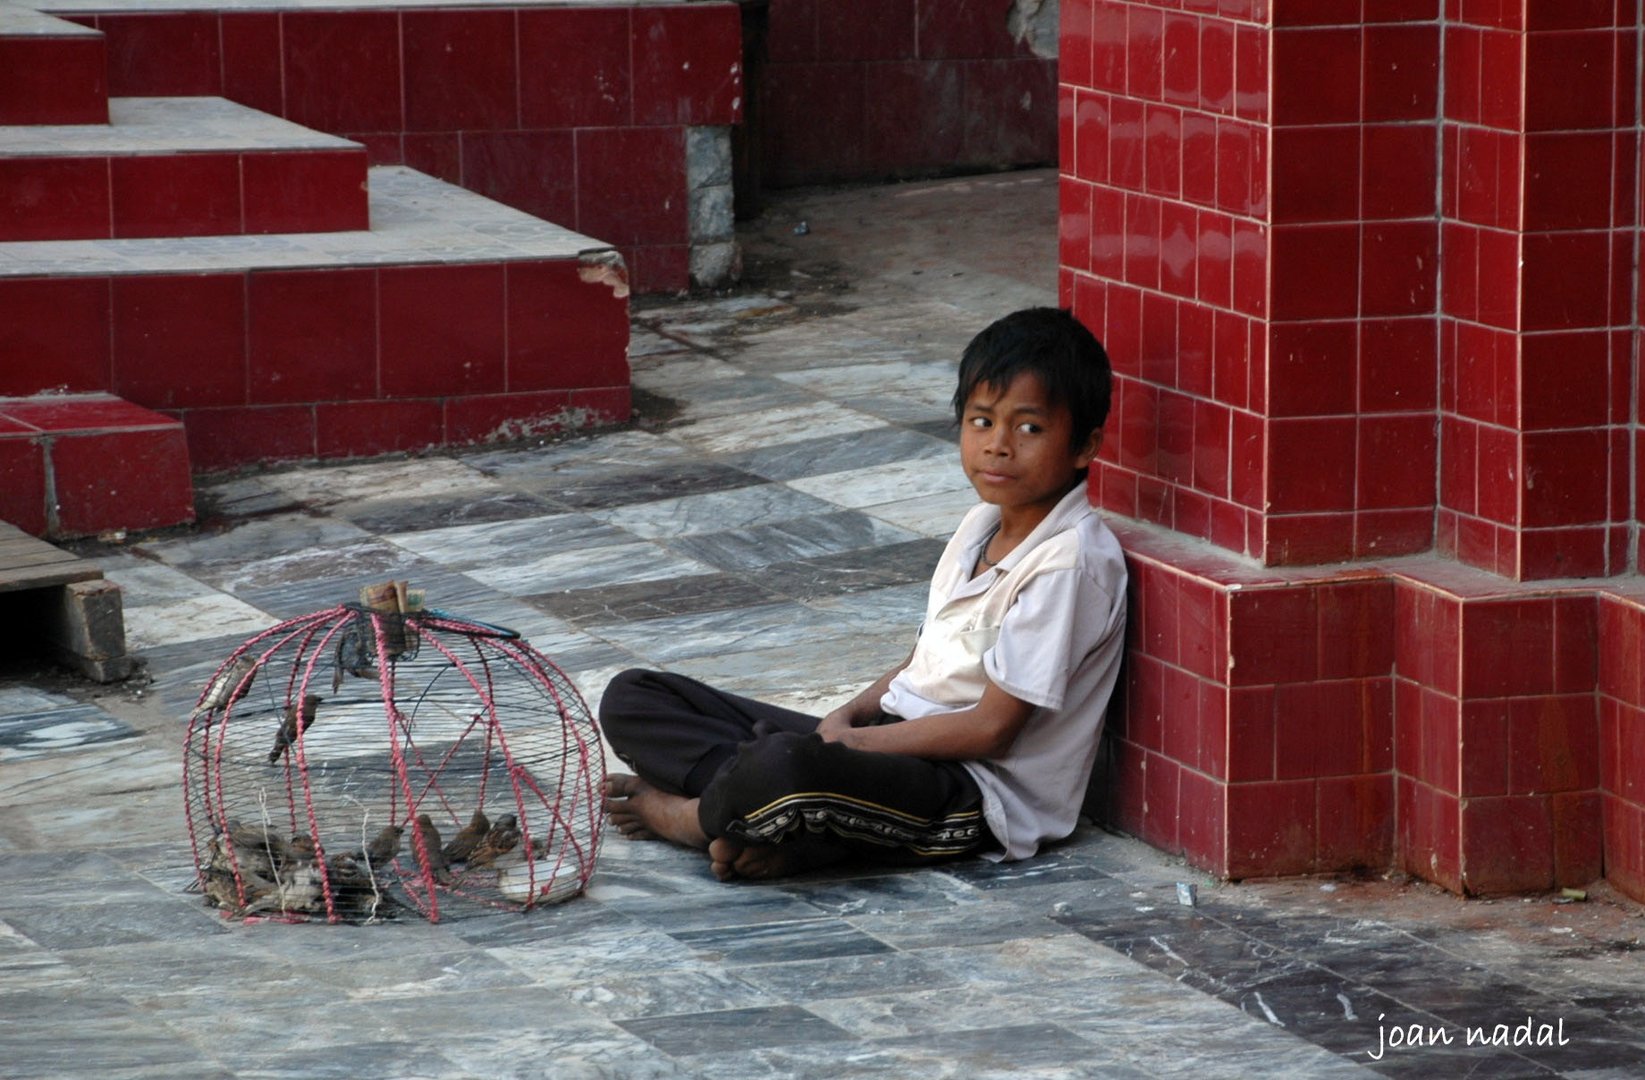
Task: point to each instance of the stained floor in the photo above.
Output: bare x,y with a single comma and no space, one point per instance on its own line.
767,523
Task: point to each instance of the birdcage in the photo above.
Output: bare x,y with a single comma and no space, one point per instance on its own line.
377,758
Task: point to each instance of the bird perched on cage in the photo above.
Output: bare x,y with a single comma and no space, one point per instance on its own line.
428,850
295,719
383,847
229,685
463,844
302,846
501,839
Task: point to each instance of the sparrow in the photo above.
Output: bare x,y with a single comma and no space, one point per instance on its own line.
302,847
221,890
229,685
501,839
256,848
296,891
433,858
288,727
463,843
384,846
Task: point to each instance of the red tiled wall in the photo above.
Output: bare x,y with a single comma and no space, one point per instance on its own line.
912,87
1622,739
547,109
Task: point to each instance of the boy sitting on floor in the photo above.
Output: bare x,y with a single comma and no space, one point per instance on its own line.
982,740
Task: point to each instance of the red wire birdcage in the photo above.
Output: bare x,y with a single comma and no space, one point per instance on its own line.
353,763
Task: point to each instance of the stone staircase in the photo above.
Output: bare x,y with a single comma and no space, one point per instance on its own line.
188,283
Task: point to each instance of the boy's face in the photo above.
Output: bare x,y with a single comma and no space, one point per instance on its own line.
1016,446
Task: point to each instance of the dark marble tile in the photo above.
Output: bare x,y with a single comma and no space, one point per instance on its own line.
1020,1047
778,942
855,571
695,1033
626,486
115,921
849,976
651,599
728,909
398,516
969,924
889,894
381,1060
940,429
36,734
818,457
1043,869
840,533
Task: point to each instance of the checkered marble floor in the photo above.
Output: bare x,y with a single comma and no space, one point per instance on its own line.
768,524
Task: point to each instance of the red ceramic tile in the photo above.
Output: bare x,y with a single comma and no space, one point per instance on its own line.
1398,456
1565,477
921,118
1195,337
1156,500
1462,45
53,81
1174,458
1145,701
1233,157
177,195
123,479
1307,539
1572,376
1507,647
1312,368
1252,258
1473,376
1157,608
315,191
1251,73
1572,15
1356,629
1507,845
162,54
1074,224
1065,132
1180,60
366,428
1566,277
464,65
179,341
1010,111
1142,223
251,59
1567,180
621,204
1500,287
1401,72
81,413
1074,45
1160,802
1273,635
1397,171
1214,252
1108,246
1211,447
230,438
1271,828
1182,720
313,335
600,406
1123,336
1309,164
1356,822
1108,45
1553,744
1439,726
1202,820
1428,637
1126,786
869,30
54,199
1430,826
493,418
1126,144
1621,642
528,170
342,70
1396,365
1315,271
1459,290
965,29
1248,457
1190,512
1157,354
1320,727
1144,52
54,335
1382,533
1317,13
1311,464
564,332
1629,751
1251,733
588,84
1578,838
382,148
23,484
1582,97
1399,262
688,64
1162,139
1216,66
791,35
1498,475
1199,159
1485,747
441,330
1576,645
1407,727
1316,76
1501,76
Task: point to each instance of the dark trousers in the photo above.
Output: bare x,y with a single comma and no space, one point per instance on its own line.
763,775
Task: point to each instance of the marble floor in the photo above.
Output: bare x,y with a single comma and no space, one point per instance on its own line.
767,523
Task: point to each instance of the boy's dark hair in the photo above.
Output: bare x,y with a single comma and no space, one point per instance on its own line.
1070,362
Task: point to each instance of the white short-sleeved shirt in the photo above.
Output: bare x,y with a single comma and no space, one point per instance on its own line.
1047,626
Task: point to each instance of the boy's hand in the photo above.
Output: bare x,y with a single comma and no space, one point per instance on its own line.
837,726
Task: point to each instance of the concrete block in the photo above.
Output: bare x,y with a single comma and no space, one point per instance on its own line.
707,156
85,627
715,265
711,214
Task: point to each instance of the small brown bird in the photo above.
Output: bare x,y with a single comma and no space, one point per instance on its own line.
302,847
464,842
501,839
434,860
229,685
288,727
384,846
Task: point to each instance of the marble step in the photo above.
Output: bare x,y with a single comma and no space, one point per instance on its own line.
177,166
52,71
452,320
81,464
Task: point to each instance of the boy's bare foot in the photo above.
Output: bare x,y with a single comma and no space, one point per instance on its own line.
642,812
731,859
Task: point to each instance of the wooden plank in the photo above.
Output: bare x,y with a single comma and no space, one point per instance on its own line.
27,562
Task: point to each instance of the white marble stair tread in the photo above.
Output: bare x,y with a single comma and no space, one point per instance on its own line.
156,125
415,220
19,20
90,7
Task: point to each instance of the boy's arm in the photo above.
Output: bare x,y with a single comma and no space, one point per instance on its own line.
864,707
985,730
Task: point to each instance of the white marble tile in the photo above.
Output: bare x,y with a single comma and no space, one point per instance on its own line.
788,423
164,606
878,484
588,569
930,515
676,637
276,535
424,477
924,381
489,543
713,512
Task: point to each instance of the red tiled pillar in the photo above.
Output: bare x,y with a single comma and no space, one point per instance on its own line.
1540,161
